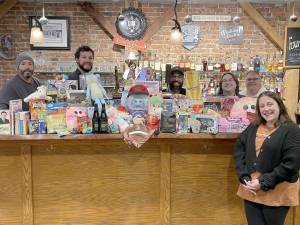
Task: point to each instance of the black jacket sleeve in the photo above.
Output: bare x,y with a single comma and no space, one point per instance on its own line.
240,157
290,161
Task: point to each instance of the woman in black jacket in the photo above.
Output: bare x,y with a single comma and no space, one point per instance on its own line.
267,158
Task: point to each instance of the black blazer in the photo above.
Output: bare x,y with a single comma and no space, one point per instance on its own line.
278,161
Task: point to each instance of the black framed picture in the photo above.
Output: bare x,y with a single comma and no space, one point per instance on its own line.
56,33
292,47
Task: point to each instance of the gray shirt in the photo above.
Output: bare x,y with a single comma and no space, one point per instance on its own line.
16,88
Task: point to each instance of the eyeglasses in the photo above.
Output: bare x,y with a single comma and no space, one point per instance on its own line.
253,79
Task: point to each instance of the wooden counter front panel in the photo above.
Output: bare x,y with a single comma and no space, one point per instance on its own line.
96,184
11,190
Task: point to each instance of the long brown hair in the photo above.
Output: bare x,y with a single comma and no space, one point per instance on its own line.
237,89
283,118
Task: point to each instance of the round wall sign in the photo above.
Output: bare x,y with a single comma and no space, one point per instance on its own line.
131,24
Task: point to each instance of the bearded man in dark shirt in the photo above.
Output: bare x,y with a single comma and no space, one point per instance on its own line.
22,84
84,57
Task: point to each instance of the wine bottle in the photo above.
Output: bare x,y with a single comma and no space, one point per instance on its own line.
103,121
95,120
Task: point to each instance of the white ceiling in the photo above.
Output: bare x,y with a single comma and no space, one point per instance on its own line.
166,1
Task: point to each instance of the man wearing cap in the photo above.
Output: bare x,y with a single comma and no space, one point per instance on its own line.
22,84
84,57
175,81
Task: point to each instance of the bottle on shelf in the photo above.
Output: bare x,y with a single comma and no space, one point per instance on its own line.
262,67
210,65
204,62
251,64
256,63
227,65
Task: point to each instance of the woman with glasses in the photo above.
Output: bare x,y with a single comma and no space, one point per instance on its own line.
267,161
229,85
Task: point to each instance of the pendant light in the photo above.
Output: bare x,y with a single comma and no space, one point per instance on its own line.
176,34
293,17
36,34
43,20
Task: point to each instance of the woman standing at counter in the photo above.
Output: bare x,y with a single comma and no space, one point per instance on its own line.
267,156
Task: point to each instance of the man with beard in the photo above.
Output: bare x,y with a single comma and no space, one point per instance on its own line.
22,84
84,57
175,81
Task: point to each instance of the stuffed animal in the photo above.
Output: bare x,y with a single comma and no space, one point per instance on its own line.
95,90
40,93
244,108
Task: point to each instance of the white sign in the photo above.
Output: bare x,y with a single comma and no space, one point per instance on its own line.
201,18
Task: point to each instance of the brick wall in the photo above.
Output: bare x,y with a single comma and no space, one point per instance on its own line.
85,31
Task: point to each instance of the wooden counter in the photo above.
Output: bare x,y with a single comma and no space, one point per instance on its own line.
98,180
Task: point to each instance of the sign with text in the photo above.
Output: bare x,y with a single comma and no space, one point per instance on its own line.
231,35
292,47
138,45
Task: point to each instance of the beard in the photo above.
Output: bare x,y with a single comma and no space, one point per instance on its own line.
82,67
175,85
26,74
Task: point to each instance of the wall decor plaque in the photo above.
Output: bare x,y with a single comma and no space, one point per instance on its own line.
231,35
131,24
190,36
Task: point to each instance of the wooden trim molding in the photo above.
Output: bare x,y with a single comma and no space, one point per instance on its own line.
165,184
27,185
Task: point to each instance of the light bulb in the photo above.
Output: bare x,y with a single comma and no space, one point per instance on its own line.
176,35
293,18
36,36
188,18
236,19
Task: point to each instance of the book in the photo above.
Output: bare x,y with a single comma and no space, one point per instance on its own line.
14,106
4,122
37,108
204,123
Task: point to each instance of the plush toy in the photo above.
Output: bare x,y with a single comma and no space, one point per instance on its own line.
95,90
154,114
72,118
244,108
119,116
137,100
40,93
137,105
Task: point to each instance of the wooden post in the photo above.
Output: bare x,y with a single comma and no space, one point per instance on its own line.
291,83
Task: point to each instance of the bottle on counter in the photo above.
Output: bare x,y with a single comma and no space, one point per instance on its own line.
95,120
103,121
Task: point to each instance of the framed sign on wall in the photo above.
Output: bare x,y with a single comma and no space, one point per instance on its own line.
292,47
56,32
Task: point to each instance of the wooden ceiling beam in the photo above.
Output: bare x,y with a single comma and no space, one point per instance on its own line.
106,25
158,23
6,5
264,25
